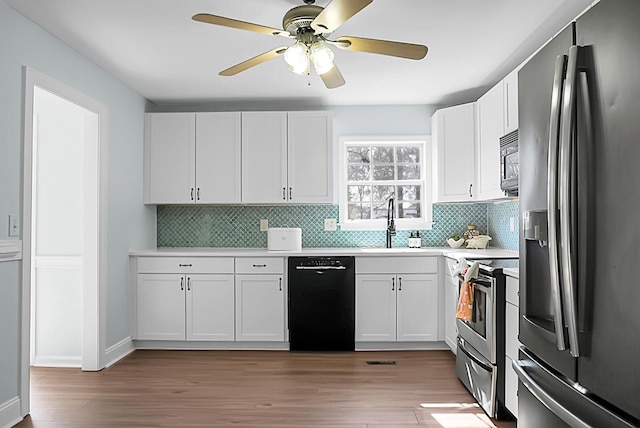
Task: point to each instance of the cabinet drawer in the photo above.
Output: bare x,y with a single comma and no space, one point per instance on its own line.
396,265
258,265
185,265
512,292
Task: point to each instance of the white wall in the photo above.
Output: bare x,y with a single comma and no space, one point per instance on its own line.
130,224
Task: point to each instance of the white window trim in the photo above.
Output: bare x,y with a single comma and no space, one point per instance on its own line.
426,166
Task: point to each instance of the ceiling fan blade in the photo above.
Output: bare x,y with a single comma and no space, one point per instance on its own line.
337,13
242,25
333,78
252,62
383,47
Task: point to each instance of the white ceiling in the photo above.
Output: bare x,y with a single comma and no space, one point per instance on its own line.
157,49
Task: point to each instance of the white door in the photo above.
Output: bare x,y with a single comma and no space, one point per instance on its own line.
210,307
260,308
417,307
218,158
160,306
169,158
310,157
450,307
490,129
455,131
264,157
376,308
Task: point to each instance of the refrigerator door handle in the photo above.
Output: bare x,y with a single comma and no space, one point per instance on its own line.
564,163
552,199
546,399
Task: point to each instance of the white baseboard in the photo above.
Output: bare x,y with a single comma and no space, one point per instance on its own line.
56,361
115,353
10,413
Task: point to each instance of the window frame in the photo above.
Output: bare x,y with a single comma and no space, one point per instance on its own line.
426,194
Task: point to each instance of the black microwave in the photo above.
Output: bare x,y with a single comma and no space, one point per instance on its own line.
509,166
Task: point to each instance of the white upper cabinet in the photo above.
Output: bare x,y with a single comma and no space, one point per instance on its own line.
287,157
264,157
218,158
490,129
310,159
454,133
511,102
192,158
169,158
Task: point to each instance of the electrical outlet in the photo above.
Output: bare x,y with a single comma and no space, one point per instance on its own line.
330,224
264,225
14,228
512,224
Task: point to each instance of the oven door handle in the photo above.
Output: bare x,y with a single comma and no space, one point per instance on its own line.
474,358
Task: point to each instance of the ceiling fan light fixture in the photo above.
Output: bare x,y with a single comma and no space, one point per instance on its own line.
297,58
321,56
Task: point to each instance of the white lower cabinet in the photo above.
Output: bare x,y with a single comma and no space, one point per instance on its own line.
397,308
184,307
450,306
511,343
260,308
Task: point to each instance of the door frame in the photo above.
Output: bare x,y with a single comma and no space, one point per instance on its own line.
94,277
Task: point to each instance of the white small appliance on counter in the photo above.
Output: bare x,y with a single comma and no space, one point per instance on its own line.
284,239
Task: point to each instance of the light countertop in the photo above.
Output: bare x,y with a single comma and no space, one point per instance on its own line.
512,272
263,252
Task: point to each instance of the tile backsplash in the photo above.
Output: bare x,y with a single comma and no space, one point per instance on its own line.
238,226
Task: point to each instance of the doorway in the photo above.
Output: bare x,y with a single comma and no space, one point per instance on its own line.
64,218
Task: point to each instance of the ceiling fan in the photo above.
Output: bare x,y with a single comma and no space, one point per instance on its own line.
310,26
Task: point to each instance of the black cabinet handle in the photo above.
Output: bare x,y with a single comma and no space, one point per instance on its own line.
393,284
399,284
280,284
259,266
470,193
185,265
188,284
284,193
192,193
198,194
290,197
182,284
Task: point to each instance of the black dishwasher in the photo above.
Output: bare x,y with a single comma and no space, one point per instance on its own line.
321,304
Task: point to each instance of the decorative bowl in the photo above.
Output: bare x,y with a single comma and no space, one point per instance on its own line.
478,242
455,244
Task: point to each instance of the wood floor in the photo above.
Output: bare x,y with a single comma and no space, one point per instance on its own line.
258,389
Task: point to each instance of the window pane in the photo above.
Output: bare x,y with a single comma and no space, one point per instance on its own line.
359,211
408,172
383,193
383,172
409,210
359,193
358,154
358,173
380,209
408,193
382,154
408,154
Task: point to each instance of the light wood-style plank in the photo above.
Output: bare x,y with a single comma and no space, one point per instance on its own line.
258,389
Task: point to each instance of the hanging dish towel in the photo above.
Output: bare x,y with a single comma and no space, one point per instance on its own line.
465,301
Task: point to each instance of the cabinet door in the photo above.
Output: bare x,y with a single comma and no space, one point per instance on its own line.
310,157
511,388
160,307
376,308
264,157
490,129
417,303
169,158
450,307
455,133
260,308
210,307
218,158
511,102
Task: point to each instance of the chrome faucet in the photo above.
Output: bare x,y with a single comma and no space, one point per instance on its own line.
391,226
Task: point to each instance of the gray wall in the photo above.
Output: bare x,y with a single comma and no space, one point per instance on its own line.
130,224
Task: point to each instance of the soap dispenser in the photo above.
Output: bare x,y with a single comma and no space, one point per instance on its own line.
417,240
412,239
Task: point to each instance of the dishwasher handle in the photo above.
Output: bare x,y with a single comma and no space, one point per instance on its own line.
320,268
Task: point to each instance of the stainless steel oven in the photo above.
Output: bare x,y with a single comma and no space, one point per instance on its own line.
480,362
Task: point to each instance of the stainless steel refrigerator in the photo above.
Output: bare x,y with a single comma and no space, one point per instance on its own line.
579,142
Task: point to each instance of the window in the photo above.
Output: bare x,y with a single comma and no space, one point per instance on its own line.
373,170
